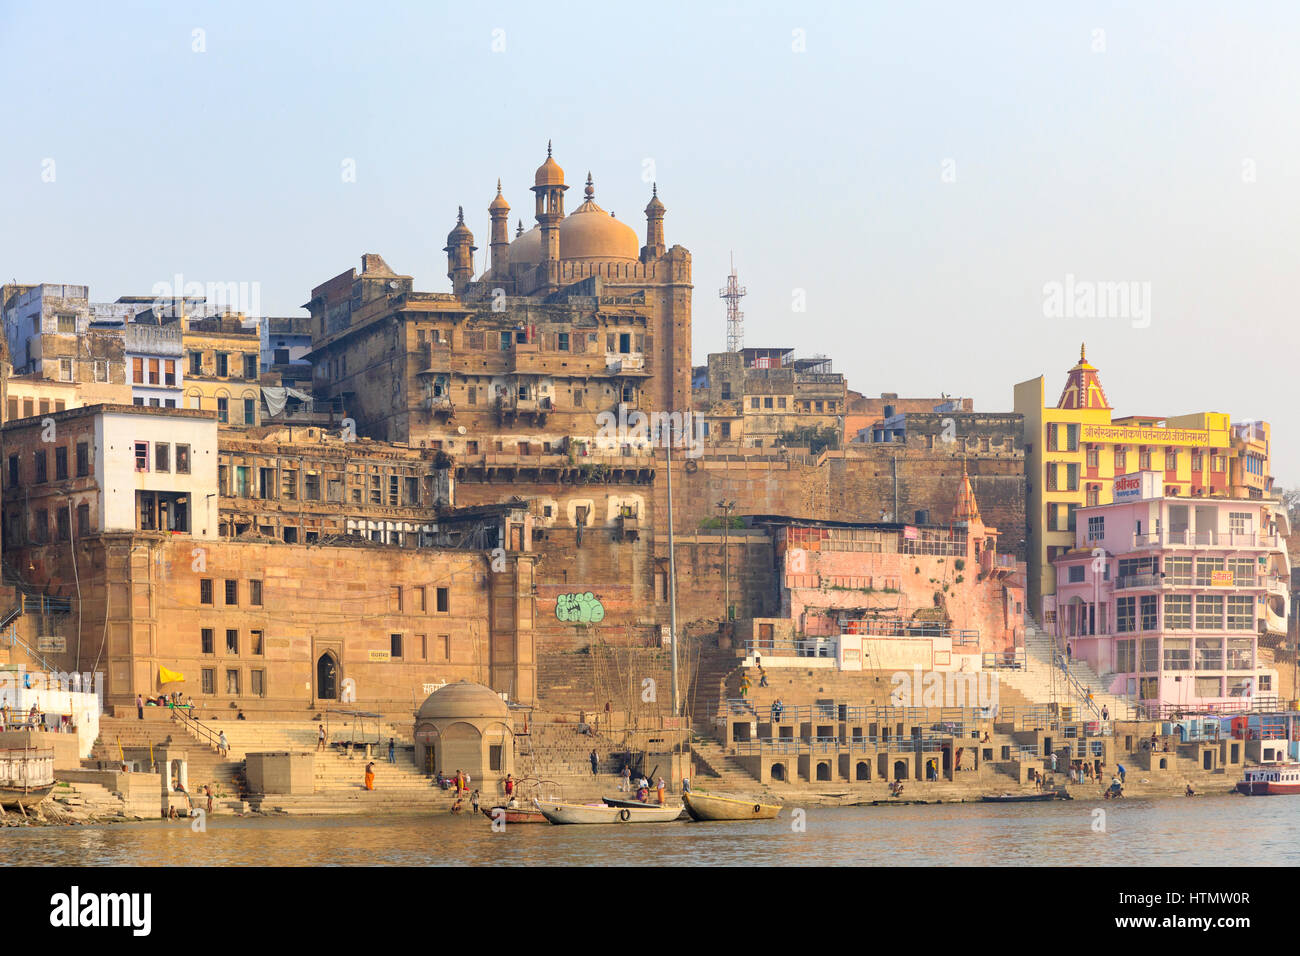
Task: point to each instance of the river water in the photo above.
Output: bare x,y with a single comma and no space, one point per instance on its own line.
1208,830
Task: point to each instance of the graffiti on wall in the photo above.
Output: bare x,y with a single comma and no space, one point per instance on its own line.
579,609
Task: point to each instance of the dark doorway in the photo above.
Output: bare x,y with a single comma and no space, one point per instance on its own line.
327,677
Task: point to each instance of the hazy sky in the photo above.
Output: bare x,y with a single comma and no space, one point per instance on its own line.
916,174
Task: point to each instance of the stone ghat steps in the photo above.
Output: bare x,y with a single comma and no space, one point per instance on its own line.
1036,680
204,765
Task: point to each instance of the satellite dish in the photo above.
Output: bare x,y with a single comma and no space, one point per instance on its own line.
460,429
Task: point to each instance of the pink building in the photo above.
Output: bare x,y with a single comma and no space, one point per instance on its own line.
1169,597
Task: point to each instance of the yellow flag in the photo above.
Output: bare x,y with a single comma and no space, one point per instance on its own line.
168,677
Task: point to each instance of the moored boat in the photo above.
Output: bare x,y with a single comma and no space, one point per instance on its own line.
638,805
1272,781
1025,797
26,777
514,814
708,806
588,813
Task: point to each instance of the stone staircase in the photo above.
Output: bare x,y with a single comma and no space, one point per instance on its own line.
1035,682
717,771
135,737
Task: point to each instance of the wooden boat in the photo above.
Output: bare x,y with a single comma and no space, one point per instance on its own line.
563,813
1271,781
707,806
514,814
26,776
1024,797
638,805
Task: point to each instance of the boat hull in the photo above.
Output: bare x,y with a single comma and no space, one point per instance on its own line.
1267,788
514,815
574,813
707,807
638,805
1022,797
12,798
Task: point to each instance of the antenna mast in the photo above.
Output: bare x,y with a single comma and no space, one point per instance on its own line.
735,318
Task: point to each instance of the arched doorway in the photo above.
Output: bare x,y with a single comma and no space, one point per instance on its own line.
778,771
823,771
863,771
900,769
327,677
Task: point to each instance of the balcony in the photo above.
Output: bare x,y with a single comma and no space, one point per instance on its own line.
632,363
1126,582
1204,539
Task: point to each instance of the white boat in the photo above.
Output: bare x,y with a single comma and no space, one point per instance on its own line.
561,813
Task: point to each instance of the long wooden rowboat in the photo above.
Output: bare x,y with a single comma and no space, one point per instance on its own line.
561,813
638,805
707,806
514,814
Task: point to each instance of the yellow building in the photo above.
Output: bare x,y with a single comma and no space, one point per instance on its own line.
222,363
1075,450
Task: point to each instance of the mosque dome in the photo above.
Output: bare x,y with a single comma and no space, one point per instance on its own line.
463,699
526,249
549,173
591,233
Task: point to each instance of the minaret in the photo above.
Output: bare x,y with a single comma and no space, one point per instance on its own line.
499,210
654,227
549,187
460,251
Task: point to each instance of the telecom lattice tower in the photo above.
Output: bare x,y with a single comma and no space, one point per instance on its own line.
735,318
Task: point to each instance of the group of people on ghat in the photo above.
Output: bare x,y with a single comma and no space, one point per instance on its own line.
642,788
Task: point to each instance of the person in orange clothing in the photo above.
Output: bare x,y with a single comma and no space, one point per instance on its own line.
660,790
370,775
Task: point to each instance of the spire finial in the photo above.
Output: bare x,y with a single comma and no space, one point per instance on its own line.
548,149
590,190
498,185
520,231
654,189
1083,353
460,213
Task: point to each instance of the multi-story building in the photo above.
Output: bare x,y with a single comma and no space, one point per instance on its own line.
758,398
571,320
305,484
1171,596
286,341
1076,450
54,333
222,367
109,468
121,520
154,360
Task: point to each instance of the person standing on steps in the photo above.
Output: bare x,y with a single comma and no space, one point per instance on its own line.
627,778
370,775
139,707
223,745
392,753
594,761
320,738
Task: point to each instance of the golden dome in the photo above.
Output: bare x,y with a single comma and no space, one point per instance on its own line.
463,699
526,249
591,233
549,173
499,202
